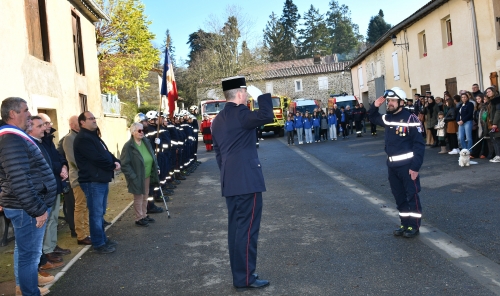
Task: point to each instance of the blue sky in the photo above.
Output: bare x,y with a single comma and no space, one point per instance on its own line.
185,17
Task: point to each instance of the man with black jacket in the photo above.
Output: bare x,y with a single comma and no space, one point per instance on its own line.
96,166
60,169
28,190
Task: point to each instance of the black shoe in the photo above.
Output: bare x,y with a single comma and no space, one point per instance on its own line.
256,285
149,220
410,232
142,223
155,210
111,243
104,249
106,223
73,234
400,231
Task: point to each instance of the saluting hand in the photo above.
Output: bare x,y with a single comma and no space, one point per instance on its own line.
378,102
413,175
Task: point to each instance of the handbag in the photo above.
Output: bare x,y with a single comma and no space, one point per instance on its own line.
452,127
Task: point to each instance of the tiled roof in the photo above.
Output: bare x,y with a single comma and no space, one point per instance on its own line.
296,68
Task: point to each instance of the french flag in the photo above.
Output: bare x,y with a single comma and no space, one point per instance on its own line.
168,86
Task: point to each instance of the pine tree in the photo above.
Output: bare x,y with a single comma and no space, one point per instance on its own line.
376,28
344,33
168,43
273,38
289,20
313,38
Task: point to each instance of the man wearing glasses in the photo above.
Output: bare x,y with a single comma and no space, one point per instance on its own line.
405,150
96,166
59,166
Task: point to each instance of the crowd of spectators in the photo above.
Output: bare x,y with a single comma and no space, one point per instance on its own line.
468,120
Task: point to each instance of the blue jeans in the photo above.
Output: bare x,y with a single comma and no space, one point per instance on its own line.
27,251
316,133
97,196
300,134
465,133
309,135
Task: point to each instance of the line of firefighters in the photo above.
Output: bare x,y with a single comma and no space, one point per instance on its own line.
175,145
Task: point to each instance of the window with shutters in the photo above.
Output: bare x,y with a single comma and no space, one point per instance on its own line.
446,31
323,83
77,44
395,65
269,87
422,44
36,26
360,77
298,85
83,103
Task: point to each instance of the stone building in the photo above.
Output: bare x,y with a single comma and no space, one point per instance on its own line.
48,57
313,78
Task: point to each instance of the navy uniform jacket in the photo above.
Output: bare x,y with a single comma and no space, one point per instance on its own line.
234,138
395,144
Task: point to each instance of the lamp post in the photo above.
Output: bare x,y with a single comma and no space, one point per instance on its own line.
405,45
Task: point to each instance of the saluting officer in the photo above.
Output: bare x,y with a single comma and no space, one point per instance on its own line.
405,149
241,178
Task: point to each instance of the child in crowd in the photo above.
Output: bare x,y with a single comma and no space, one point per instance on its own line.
343,123
332,125
299,127
440,133
289,128
316,122
308,127
324,126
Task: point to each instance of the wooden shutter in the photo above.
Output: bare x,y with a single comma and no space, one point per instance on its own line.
395,65
451,86
494,79
424,88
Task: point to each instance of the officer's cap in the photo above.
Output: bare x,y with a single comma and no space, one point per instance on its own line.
233,83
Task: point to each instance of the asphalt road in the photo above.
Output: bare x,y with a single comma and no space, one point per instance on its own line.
326,230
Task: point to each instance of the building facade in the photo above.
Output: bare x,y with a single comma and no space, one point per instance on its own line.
447,45
48,56
314,78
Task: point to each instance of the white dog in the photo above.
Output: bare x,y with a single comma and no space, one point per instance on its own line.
464,159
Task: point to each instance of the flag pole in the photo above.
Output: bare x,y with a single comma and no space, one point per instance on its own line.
162,93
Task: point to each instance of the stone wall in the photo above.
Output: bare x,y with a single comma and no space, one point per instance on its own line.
338,82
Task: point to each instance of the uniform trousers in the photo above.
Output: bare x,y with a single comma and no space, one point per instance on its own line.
405,191
244,215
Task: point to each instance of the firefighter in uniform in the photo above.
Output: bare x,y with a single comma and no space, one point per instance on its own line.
241,178
405,149
206,130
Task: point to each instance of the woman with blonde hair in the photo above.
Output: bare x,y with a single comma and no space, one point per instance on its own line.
140,167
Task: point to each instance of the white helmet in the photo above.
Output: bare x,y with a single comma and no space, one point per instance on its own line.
140,117
193,108
395,92
152,114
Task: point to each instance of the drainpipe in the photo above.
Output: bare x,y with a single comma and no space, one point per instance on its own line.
476,44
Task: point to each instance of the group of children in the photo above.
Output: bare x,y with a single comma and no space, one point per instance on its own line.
323,125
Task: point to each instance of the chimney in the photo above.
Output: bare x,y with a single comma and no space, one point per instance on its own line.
317,59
